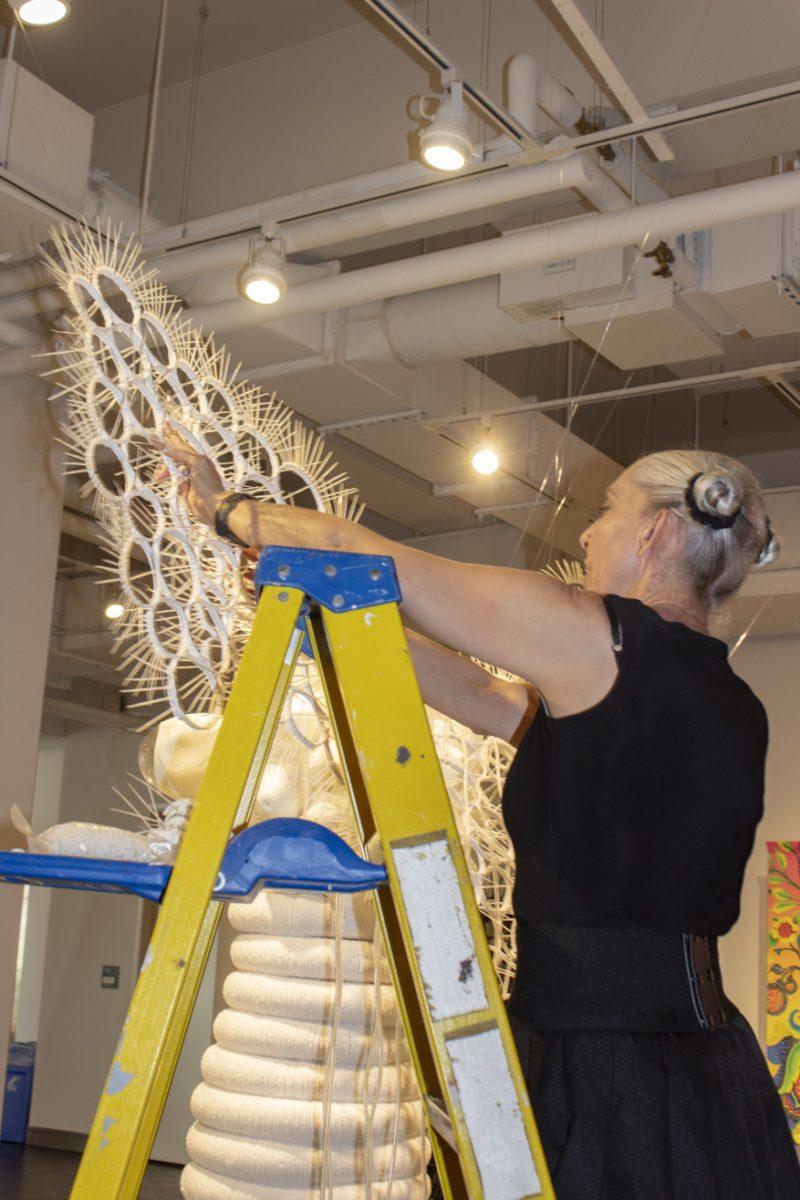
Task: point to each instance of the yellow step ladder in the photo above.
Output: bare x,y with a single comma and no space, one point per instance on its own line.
479,1116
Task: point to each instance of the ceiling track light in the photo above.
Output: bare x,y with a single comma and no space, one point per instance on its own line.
485,458
262,280
40,12
445,143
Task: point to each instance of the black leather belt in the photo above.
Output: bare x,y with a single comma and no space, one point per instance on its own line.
618,979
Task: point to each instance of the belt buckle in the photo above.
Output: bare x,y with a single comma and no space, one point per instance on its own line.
703,982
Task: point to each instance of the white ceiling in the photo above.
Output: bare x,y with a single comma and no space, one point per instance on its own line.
104,52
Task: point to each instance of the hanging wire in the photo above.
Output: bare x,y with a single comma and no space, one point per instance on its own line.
202,15
152,117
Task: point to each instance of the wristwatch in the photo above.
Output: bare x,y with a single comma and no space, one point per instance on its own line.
222,516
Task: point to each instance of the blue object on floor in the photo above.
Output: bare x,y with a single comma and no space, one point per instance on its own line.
19,1085
286,852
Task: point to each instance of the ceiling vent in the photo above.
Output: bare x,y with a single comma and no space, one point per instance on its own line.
752,271
45,146
549,288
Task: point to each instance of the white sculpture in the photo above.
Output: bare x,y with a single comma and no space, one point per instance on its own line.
308,1088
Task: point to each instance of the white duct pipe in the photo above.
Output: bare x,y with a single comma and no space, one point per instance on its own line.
531,86
21,278
635,181
443,325
377,216
386,182
523,91
20,361
86,529
642,225
448,198
13,335
31,304
432,318
443,200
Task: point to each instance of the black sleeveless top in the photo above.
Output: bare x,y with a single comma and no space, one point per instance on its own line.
640,812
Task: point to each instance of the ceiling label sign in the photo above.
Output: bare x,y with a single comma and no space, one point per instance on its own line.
558,266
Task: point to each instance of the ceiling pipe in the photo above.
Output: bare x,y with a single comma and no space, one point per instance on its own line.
443,325
375,185
87,714
436,324
15,335
86,529
531,87
643,225
21,360
443,200
448,198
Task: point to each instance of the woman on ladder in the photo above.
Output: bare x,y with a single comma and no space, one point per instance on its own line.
632,803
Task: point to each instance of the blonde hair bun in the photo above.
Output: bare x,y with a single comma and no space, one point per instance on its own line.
721,502
717,493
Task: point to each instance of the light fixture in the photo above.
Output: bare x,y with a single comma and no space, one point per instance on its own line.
485,458
262,280
114,610
445,143
40,12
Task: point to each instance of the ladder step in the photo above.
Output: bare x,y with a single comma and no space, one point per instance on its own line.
286,852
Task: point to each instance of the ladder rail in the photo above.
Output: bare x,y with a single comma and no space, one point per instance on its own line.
136,1089
407,800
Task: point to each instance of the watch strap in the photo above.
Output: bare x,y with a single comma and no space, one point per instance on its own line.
222,516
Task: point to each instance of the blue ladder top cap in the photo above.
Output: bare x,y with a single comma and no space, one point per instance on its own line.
286,852
339,581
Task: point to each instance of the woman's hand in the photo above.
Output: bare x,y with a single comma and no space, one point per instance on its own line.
201,486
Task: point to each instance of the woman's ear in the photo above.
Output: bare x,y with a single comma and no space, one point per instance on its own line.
652,532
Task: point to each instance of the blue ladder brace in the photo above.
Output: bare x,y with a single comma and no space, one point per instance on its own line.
285,852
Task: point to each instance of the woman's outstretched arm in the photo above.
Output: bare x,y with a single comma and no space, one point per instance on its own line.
531,625
461,689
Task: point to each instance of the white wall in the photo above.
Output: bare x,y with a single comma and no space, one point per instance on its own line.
772,668
46,804
30,517
76,1022
80,1022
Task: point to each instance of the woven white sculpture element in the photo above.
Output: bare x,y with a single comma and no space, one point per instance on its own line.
308,1088
131,366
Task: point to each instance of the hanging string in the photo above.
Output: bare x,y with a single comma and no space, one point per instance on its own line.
152,117
202,14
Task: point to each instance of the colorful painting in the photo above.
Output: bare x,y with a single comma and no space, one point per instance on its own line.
783,976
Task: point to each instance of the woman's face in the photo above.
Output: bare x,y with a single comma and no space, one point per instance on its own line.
613,564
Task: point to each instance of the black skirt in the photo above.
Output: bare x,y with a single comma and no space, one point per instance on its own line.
658,1116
